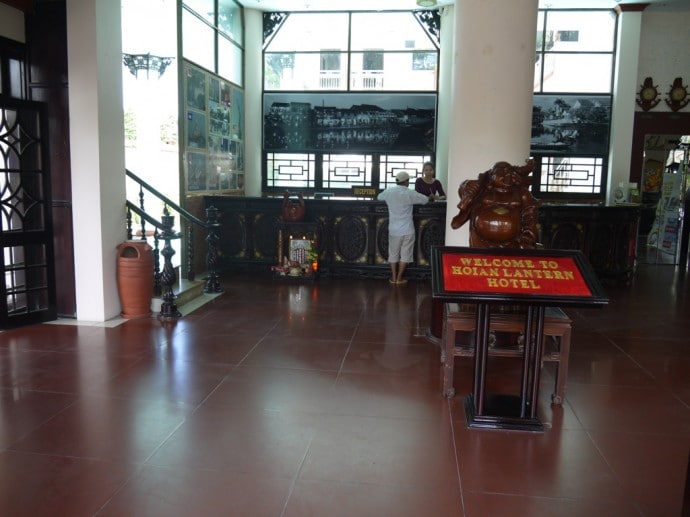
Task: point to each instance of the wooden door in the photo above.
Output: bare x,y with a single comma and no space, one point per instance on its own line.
27,288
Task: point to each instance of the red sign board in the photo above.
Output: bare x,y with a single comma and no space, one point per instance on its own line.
529,276
549,276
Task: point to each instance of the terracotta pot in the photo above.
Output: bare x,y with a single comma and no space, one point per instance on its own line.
135,278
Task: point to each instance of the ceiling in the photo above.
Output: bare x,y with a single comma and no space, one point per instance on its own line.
399,5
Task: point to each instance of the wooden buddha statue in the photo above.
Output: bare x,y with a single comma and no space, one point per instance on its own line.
500,207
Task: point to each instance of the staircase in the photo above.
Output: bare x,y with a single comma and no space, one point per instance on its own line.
189,295
174,288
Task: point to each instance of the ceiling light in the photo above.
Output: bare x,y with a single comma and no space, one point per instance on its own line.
426,3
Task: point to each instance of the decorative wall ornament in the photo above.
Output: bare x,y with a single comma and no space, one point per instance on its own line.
272,22
677,96
648,96
431,21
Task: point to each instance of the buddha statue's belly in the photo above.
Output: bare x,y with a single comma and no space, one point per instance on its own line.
497,223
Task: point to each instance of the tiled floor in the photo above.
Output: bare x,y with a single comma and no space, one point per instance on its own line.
324,399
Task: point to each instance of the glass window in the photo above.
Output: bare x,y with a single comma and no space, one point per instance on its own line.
279,71
391,165
400,71
571,175
204,8
575,51
198,43
290,170
356,51
580,31
581,73
575,58
229,61
312,32
218,48
230,20
346,170
390,31
16,77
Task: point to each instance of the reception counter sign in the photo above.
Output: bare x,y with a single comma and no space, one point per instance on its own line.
484,274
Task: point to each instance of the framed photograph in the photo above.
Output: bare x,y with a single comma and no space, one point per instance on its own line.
299,250
195,88
237,110
196,130
225,94
196,171
219,118
571,124
213,89
366,122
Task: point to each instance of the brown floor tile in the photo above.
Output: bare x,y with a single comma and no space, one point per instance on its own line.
179,492
371,500
40,485
242,440
284,399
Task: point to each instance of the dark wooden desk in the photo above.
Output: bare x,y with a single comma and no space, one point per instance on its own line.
352,235
534,279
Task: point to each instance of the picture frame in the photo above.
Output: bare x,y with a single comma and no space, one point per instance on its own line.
353,122
572,125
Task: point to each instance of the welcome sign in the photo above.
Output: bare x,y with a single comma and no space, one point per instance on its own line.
480,274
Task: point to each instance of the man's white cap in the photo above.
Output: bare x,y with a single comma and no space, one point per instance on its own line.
402,177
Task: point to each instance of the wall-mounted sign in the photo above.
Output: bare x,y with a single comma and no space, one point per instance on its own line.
365,191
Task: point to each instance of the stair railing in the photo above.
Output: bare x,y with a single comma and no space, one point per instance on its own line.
163,229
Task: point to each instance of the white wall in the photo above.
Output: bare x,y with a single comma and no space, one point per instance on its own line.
11,23
664,51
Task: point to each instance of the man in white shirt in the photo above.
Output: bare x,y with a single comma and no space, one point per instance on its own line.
400,199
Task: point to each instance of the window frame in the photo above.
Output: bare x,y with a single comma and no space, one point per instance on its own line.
541,185
219,32
377,166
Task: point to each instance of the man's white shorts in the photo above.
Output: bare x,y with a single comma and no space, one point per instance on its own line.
400,248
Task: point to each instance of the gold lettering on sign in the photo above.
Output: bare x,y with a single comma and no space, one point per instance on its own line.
364,191
513,273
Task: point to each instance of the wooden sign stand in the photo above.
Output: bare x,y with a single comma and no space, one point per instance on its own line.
532,278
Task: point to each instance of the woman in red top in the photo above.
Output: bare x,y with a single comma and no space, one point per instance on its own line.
428,184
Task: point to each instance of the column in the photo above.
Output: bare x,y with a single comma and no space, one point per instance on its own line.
624,94
493,80
445,76
94,50
253,122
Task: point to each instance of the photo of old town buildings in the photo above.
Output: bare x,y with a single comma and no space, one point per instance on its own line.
349,122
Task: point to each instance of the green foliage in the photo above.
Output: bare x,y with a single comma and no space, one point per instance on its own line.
130,126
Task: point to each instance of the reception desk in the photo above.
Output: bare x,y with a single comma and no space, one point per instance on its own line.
352,235
607,235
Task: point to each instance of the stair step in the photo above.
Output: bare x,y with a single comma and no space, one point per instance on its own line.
186,291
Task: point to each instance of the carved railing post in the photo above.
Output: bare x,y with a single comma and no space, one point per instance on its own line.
190,252
128,218
212,240
141,205
156,263
168,276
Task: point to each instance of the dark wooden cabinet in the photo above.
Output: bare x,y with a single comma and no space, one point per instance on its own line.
607,235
